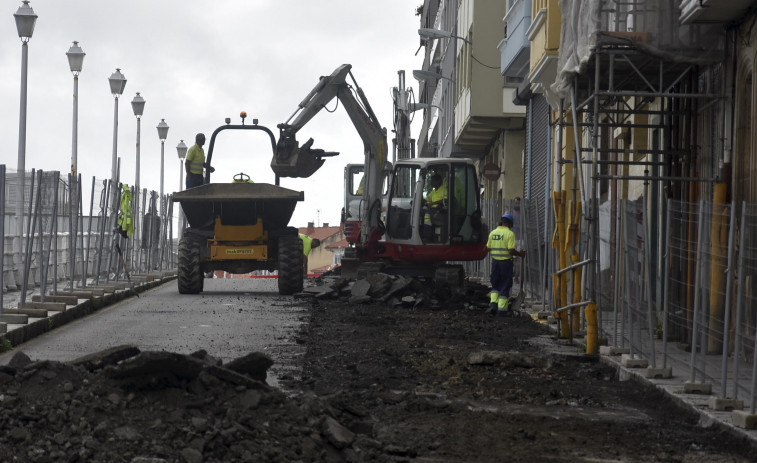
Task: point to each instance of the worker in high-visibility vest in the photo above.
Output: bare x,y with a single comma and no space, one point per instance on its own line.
195,163
308,244
125,220
501,246
436,206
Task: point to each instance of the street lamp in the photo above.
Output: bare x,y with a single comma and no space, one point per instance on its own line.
117,83
417,106
75,57
181,150
138,105
25,20
438,34
428,75
162,134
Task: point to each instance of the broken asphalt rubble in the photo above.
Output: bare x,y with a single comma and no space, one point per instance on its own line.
396,291
122,404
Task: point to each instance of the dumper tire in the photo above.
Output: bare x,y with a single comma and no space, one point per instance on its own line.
290,265
191,278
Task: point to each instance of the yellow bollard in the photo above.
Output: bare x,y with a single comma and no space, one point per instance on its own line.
592,330
718,261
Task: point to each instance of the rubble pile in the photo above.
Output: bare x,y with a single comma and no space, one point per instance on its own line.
151,407
398,291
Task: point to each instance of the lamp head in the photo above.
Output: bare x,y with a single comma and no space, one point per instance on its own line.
25,20
117,83
162,130
426,75
138,105
433,33
75,57
181,150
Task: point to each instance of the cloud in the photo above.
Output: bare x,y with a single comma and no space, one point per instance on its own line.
197,62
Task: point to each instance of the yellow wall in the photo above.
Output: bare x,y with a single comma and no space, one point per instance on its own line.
507,152
480,22
545,38
320,256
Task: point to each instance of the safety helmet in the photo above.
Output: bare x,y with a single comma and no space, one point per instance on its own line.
508,216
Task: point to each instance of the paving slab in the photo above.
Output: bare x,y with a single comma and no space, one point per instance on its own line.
87,293
725,404
16,319
31,312
64,298
51,306
744,419
696,387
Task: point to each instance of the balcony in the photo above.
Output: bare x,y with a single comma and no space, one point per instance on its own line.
712,11
515,49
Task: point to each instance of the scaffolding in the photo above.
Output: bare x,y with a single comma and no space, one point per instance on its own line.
641,116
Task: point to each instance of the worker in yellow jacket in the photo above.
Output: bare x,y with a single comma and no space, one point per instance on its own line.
501,246
436,209
308,244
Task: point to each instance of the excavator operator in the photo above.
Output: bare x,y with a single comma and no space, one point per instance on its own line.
436,209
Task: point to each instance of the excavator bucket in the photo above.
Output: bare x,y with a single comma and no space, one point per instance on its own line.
292,160
349,267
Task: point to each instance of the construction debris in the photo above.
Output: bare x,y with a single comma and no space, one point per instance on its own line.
123,404
396,290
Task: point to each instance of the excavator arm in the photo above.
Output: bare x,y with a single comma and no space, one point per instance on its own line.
293,160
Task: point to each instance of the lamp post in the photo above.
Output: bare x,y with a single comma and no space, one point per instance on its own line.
75,57
138,106
25,20
162,134
117,83
181,150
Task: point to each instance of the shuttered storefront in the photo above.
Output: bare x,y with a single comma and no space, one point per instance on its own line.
537,155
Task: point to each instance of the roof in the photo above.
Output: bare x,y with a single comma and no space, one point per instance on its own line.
339,244
320,233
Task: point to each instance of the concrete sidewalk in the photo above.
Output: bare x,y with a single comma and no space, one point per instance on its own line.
18,325
687,394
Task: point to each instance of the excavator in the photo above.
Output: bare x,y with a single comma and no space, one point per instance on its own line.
410,218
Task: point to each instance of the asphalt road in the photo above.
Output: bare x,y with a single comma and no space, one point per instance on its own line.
231,318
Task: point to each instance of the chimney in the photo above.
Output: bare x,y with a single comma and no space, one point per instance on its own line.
325,224
311,228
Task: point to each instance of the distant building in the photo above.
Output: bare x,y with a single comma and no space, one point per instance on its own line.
324,257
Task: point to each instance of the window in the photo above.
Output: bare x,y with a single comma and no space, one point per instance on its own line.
399,213
357,180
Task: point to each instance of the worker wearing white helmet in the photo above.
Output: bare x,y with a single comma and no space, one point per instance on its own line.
501,246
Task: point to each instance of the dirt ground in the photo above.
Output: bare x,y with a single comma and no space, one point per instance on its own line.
385,382
446,383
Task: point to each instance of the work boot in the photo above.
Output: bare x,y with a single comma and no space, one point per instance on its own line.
493,308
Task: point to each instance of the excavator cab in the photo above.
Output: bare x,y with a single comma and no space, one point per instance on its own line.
434,201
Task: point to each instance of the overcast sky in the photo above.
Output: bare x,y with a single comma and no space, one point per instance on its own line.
195,63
